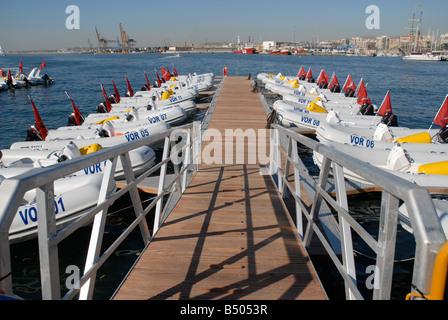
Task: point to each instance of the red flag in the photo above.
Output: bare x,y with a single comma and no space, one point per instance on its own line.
309,74
363,97
165,74
147,81
108,104
78,116
117,94
334,81
21,66
10,76
301,72
158,79
43,65
386,106
349,84
39,123
323,77
175,71
441,118
130,92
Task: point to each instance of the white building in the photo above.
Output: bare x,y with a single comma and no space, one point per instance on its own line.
268,45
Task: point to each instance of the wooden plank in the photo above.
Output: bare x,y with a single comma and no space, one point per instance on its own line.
230,236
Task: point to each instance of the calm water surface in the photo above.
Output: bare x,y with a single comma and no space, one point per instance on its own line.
417,91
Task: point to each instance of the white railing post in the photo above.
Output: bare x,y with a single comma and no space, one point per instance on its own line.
166,152
298,190
348,260
187,159
97,233
48,254
135,196
387,240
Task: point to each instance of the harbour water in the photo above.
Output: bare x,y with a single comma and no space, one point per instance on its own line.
417,91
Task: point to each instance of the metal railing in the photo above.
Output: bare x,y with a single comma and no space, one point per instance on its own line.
183,155
427,230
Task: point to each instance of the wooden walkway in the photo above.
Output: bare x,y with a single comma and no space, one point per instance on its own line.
229,237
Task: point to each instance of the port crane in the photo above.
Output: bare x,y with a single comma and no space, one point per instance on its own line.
126,43
102,42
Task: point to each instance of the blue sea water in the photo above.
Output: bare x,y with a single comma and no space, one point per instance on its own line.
417,88
417,91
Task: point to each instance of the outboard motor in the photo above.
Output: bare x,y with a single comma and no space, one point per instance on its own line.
71,122
46,79
367,109
302,77
323,85
101,108
311,80
390,120
443,135
107,130
335,88
144,88
350,93
32,134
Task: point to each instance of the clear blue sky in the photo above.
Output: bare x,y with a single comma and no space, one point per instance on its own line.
26,25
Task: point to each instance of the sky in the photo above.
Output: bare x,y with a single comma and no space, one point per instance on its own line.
40,25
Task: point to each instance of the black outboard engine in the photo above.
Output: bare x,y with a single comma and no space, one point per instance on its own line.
335,88
302,78
367,109
71,122
144,88
101,108
350,93
311,80
323,85
32,134
443,135
46,79
390,120
103,133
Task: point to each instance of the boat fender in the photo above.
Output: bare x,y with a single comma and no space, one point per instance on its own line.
398,159
390,120
423,137
367,109
439,168
316,108
443,135
382,133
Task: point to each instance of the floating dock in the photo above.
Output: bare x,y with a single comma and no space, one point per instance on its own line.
230,235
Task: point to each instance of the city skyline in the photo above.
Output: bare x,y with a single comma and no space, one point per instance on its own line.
43,25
